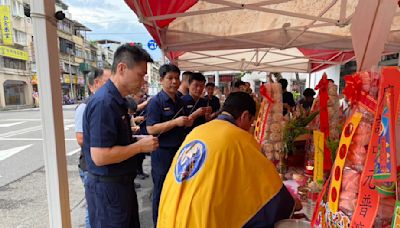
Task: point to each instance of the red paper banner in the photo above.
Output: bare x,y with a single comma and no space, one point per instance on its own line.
324,118
391,86
368,197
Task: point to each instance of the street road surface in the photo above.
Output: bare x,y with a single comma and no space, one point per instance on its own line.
21,144
23,194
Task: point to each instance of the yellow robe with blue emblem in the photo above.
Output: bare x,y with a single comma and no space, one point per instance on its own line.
232,183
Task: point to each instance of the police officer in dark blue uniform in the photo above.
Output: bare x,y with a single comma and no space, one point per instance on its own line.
108,146
96,80
166,118
212,100
184,86
195,105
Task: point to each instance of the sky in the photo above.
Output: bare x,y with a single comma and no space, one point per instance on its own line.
111,19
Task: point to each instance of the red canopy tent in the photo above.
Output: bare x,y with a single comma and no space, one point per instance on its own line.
259,35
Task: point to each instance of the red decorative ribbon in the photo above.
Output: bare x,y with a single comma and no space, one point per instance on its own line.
268,109
264,93
270,101
324,118
354,92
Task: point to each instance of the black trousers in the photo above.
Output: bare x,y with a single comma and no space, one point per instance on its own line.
112,204
158,181
140,158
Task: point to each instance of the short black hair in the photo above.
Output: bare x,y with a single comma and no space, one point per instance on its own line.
166,68
97,73
210,84
132,105
197,77
283,82
309,92
239,83
238,102
186,75
130,55
331,80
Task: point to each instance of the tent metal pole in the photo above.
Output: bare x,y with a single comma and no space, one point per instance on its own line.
216,78
163,56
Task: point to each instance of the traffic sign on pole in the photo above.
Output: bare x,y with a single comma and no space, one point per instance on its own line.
152,45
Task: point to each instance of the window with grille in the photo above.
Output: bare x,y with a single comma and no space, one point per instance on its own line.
14,63
66,46
19,37
17,9
5,2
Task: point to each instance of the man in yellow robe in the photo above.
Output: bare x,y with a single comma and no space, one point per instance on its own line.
219,178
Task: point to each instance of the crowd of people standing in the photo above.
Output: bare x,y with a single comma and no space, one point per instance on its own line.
194,144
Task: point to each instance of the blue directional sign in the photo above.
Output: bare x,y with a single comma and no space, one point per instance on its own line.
152,45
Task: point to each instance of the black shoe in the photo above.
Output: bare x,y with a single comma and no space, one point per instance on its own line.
137,185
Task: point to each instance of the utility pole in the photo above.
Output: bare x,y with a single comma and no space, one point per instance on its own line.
71,91
86,90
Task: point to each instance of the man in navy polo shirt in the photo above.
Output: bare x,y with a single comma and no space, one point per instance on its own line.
108,145
96,80
184,86
212,100
167,120
196,106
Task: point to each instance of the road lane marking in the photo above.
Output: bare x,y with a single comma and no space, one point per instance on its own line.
73,152
5,120
4,154
11,124
67,127
21,131
29,139
28,130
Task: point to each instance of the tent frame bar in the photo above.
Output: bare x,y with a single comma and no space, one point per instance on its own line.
229,6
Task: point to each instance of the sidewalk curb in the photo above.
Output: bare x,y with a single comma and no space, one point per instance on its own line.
64,107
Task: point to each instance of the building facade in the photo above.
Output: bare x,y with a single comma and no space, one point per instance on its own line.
77,56
15,55
105,53
153,77
18,75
